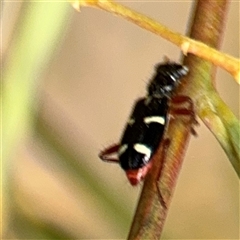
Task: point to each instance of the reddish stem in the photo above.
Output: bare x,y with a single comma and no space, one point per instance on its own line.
150,215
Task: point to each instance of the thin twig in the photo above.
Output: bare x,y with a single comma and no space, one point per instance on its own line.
188,45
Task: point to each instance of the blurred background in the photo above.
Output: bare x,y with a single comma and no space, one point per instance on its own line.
70,80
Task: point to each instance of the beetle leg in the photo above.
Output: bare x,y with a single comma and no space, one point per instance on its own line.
105,155
188,110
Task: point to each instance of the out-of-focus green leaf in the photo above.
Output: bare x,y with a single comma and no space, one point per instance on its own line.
38,32
40,29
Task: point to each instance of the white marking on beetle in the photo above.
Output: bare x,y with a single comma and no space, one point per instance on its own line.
154,119
122,149
141,148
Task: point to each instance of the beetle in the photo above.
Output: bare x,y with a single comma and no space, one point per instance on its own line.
146,125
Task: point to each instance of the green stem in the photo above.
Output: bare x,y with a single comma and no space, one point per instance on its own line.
209,106
39,28
34,42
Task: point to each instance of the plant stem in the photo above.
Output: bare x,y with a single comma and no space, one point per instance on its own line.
151,214
209,106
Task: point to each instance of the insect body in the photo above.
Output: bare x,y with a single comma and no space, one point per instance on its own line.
145,127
